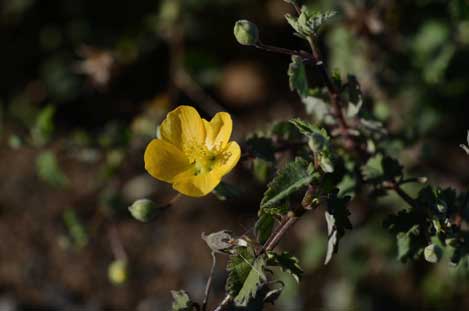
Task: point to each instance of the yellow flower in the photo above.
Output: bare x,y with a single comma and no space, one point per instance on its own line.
192,153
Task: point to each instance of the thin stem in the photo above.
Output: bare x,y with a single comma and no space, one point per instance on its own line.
116,245
274,49
209,282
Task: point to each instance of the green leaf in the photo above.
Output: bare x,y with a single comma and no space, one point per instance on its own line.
289,180
238,267
433,253
337,222
75,228
309,22
379,168
316,107
261,147
264,226
181,301
252,283
297,76
49,171
44,126
355,97
287,263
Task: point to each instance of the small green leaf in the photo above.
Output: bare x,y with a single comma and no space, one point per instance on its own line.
287,263
337,222
297,76
355,97
44,126
75,228
49,171
310,22
238,268
379,168
252,283
181,301
289,180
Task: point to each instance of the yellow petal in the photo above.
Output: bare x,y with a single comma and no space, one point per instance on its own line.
164,161
218,130
183,127
196,186
232,154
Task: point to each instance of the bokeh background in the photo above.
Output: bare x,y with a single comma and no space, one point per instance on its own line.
84,84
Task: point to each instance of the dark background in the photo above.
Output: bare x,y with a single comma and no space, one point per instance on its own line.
84,84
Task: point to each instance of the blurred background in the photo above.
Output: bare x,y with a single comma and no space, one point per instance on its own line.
84,85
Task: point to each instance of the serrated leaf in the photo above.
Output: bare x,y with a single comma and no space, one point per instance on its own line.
379,168
337,222
238,267
309,22
297,76
288,263
252,283
292,178
49,171
319,140
264,226
261,147
181,301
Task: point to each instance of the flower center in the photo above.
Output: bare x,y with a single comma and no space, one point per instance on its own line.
204,159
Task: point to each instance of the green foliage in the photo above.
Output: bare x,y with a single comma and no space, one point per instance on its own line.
252,283
238,267
181,301
337,222
76,230
380,168
297,76
49,170
295,176
44,126
309,23
288,263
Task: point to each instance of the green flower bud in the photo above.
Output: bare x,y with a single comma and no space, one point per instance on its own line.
433,253
246,33
117,272
143,210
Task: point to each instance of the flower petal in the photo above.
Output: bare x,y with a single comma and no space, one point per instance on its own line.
218,130
196,185
183,127
232,153
164,161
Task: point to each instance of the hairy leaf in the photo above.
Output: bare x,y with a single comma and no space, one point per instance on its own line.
252,283
337,222
181,301
297,76
288,263
289,180
238,267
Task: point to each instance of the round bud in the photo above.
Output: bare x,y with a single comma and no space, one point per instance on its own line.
117,272
246,33
143,210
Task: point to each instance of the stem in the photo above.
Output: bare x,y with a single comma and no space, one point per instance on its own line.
209,282
274,49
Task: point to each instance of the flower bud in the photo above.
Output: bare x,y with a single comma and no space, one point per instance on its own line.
117,272
246,33
143,210
433,253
